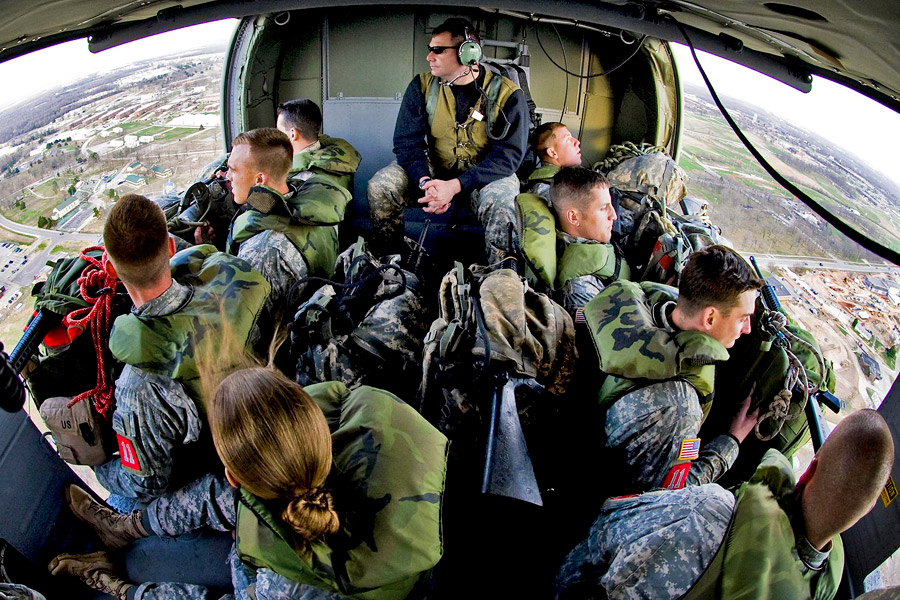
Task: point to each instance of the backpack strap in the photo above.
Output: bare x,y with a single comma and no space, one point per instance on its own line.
433,93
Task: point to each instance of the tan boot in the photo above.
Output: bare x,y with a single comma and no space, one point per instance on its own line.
114,529
95,569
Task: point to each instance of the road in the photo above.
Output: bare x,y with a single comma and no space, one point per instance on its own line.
55,236
817,262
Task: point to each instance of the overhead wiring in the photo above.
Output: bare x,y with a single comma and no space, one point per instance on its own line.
562,48
537,35
866,242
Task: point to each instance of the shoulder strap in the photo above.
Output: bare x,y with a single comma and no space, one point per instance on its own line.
432,93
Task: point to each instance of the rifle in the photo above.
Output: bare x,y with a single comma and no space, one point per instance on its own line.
414,258
774,321
12,390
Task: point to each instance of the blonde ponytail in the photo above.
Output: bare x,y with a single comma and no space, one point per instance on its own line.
312,515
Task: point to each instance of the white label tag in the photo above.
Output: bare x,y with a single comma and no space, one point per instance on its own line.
477,115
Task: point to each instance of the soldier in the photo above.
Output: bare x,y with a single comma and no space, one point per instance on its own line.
287,230
659,348
555,145
461,132
314,152
158,419
774,539
585,216
377,537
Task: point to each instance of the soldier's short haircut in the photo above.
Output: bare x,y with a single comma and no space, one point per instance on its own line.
270,150
137,240
457,28
544,137
303,115
571,188
853,465
715,276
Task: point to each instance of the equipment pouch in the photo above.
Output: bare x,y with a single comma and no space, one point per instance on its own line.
82,437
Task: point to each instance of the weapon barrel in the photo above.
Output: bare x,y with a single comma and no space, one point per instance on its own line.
12,396
768,293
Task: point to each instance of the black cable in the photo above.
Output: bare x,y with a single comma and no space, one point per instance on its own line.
637,49
866,242
565,70
488,109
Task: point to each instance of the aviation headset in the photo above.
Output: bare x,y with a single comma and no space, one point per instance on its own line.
469,52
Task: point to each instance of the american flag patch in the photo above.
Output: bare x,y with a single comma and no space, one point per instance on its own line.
579,315
690,449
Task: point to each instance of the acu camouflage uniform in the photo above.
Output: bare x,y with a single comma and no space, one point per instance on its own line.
539,181
659,388
163,439
388,481
295,236
703,542
333,159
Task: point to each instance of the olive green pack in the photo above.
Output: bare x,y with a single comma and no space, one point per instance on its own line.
388,482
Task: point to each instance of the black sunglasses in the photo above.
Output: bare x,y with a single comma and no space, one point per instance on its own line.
440,49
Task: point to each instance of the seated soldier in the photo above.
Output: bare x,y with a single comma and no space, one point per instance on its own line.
774,539
287,230
336,493
659,348
584,217
461,134
555,145
159,420
314,152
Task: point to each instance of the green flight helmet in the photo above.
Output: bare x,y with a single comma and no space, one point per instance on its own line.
470,52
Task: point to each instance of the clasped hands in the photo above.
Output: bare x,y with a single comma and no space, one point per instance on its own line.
438,194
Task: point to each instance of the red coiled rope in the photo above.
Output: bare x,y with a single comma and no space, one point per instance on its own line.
97,289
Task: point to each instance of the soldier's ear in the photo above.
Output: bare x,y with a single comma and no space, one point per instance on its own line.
709,315
231,480
572,216
109,269
171,246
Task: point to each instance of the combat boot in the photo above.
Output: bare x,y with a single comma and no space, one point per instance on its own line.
95,569
114,529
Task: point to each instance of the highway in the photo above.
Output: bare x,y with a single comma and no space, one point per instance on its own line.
54,236
818,262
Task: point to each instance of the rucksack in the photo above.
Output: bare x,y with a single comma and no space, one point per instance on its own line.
498,353
71,382
650,173
661,241
781,366
366,326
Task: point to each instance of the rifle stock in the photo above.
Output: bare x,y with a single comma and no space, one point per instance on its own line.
507,466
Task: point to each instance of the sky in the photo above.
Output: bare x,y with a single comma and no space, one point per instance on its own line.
71,61
843,116
847,118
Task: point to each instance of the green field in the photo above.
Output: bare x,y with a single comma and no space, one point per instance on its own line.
47,188
34,208
175,133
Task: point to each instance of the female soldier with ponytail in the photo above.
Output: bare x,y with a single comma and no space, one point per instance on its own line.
335,493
